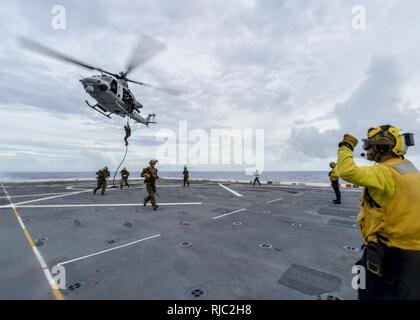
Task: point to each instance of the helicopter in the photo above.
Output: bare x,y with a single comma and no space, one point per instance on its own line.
110,90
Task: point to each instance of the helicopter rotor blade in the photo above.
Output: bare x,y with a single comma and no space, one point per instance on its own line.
145,50
170,91
39,48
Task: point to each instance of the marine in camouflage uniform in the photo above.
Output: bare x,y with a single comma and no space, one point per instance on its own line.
150,175
102,176
127,133
124,178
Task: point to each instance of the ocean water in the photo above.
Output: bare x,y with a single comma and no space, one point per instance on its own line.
274,176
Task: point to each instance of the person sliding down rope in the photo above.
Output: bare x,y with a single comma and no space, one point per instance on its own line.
127,133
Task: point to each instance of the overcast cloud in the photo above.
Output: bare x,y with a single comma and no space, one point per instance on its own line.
296,69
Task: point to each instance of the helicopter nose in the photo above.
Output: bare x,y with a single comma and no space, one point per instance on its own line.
88,82
93,85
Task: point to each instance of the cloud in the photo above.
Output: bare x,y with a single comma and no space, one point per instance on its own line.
297,69
377,100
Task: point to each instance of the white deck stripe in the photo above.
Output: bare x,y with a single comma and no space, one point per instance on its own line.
226,214
38,255
104,205
230,190
42,199
274,200
22,225
36,195
108,250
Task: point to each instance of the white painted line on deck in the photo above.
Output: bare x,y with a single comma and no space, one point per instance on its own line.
42,199
226,214
271,201
108,250
36,195
56,291
105,205
230,190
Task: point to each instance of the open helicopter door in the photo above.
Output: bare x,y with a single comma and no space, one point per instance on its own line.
119,91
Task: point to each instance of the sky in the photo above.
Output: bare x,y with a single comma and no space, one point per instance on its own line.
304,72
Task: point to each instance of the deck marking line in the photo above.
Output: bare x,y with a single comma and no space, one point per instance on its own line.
105,205
226,214
274,200
108,250
36,195
41,199
56,291
230,190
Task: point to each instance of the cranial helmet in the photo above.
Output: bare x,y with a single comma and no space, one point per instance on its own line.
152,161
332,164
387,138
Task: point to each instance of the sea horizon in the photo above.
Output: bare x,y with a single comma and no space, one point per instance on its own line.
274,176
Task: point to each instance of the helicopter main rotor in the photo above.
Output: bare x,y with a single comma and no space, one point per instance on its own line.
146,49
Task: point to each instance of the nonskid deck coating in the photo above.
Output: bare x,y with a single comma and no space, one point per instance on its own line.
203,242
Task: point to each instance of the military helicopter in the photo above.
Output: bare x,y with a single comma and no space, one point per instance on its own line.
110,90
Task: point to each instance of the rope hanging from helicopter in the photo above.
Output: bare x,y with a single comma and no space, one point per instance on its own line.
128,133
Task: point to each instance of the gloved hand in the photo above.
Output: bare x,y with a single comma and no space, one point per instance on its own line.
349,141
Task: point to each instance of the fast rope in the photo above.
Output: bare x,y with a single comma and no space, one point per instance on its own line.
122,161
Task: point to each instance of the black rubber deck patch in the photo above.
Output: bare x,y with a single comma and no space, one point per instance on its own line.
341,223
309,281
196,293
75,285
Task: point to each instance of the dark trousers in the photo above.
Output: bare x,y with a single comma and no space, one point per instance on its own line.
151,191
124,182
186,181
257,179
401,280
336,186
101,185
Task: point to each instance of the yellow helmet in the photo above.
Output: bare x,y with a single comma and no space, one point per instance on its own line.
387,138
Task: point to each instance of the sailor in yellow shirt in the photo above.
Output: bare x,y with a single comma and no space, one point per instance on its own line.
389,218
334,178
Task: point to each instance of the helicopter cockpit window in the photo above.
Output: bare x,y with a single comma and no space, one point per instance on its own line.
113,86
105,78
103,87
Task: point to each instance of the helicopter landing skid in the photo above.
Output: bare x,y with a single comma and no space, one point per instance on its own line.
94,108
